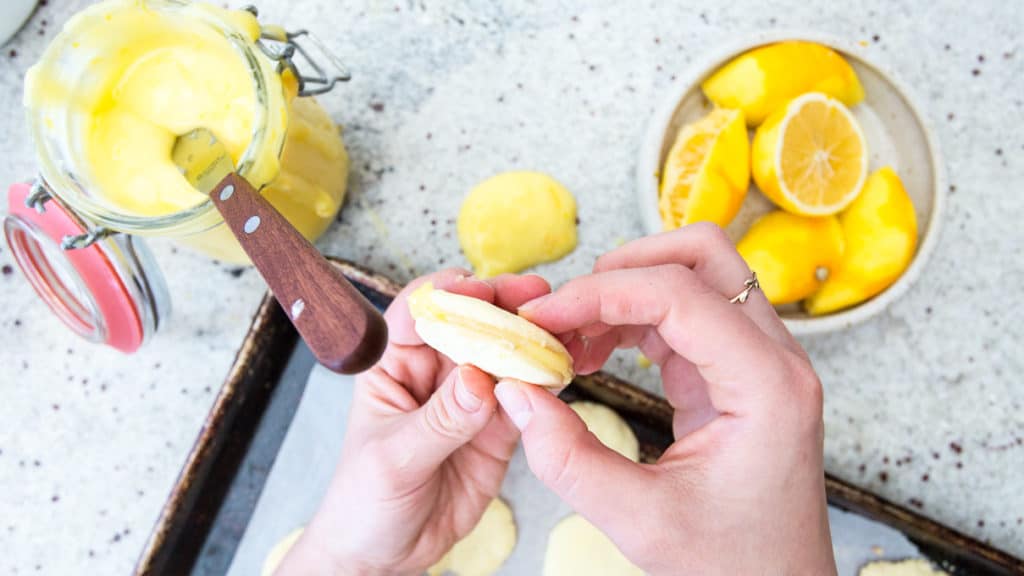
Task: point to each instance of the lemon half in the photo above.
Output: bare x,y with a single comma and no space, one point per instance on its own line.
707,171
810,157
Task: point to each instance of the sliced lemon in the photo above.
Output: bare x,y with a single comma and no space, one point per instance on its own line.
707,171
880,232
762,80
810,156
792,254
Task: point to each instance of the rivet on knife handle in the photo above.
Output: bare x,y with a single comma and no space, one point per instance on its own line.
342,328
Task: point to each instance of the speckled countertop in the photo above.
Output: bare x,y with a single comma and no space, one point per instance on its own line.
923,404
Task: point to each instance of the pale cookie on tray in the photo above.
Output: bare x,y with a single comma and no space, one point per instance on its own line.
609,428
909,567
485,548
576,546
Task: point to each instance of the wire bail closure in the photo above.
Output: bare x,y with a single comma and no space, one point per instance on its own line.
37,198
282,46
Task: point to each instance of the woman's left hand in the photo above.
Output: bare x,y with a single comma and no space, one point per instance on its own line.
424,453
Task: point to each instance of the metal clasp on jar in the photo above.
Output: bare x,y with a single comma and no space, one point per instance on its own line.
282,46
37,199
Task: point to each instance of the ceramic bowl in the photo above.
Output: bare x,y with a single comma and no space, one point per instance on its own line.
897,135
13,14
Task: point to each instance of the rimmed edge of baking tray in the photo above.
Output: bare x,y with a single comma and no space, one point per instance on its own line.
195,498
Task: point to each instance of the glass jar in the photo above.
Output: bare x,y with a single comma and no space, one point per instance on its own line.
104,104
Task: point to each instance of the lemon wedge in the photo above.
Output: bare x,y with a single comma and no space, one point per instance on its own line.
810,157
707,171
880,233
792,254
762,80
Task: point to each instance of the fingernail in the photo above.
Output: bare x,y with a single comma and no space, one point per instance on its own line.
463,396
514,401
463,278
534,304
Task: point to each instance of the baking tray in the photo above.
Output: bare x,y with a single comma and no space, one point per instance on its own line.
209,507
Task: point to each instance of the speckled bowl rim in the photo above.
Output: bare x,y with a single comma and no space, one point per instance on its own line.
649,164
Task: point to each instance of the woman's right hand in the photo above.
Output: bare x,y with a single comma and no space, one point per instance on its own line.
741,491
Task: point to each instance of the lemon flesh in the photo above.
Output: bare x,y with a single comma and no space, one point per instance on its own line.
707,171
880,234
761,81
810,157
515,220
792,254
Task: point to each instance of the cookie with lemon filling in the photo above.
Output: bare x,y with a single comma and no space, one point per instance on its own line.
472,331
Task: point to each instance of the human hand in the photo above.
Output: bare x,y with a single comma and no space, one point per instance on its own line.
424,453
741,491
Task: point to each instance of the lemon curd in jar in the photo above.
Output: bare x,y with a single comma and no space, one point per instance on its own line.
149,71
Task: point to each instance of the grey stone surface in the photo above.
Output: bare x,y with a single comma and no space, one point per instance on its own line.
923,403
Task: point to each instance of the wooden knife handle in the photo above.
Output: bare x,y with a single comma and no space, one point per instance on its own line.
344,331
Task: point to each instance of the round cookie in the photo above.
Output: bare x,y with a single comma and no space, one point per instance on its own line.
485,548
908,567
472,331
576,546
609,428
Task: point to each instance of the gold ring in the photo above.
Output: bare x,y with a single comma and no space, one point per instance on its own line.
749,285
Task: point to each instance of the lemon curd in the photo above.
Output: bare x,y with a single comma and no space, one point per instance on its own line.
153,74
515,220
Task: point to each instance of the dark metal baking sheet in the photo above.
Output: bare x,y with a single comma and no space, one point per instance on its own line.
210,505
308,455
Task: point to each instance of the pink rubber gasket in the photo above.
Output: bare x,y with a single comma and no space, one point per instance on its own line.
124,327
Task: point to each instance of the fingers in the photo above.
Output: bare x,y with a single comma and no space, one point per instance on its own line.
704,248
687,392
731,353
511,292
572,462
460,408
460,281
590,353
508,291
421,371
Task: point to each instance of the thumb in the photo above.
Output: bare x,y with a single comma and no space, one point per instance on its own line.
457,411
573,463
